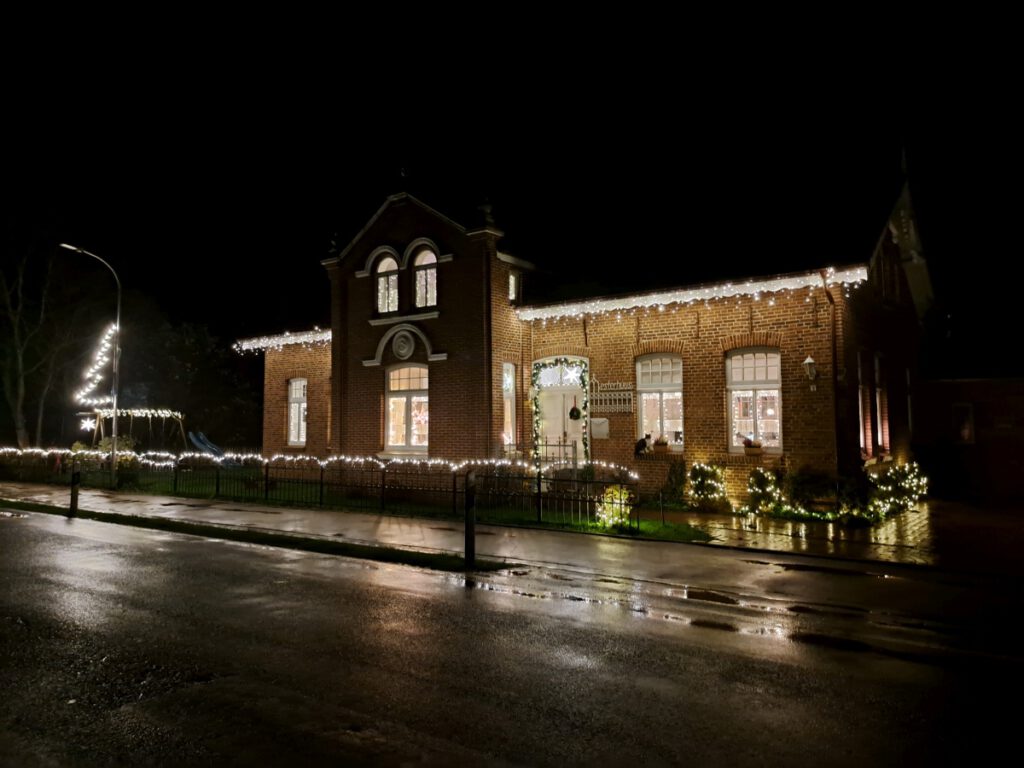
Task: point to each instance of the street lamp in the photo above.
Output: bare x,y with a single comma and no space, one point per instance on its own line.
117,355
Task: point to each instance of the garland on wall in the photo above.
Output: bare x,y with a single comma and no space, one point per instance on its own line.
584,369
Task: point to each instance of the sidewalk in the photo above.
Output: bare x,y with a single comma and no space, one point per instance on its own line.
939,534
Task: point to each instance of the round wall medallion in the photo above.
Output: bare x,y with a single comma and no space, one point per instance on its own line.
403,345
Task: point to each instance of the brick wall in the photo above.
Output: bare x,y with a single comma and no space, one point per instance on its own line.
798,325
297,362
461,386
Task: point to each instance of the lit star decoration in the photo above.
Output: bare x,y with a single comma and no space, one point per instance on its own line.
784,284
313,338
94,376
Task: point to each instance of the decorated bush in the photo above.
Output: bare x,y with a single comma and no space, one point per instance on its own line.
614,506
706,491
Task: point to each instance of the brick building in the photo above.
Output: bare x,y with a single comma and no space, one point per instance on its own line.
432,353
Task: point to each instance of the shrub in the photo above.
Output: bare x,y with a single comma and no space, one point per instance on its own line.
896,489
614,507
707,488
674,489
765,495
803,487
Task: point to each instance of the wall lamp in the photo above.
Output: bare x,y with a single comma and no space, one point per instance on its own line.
812,372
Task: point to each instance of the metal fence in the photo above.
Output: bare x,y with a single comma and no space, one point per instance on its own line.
569,496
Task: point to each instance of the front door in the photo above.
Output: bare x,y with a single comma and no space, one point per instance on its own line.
560,390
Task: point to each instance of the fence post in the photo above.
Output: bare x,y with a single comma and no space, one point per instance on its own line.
538,495
216,481
175,484
76,480
321,485
383,484
470,519
266,481
661,505
455,494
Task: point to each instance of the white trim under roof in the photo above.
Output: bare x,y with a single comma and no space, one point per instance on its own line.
315,337
846,275
515,262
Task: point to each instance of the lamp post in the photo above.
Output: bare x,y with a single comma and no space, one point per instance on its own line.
117,356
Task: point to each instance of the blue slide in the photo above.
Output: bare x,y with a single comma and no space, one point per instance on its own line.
203,445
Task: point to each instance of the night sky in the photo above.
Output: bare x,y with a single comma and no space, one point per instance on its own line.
223,211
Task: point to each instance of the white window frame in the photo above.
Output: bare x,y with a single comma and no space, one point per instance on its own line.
298,402
408,395
881,405
508,393
661,388
425,266
387,286
753,385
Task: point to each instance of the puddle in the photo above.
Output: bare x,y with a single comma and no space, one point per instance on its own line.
831,571
710,624
710,597
827,641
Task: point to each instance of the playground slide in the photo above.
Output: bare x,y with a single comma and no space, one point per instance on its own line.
210,447
203,445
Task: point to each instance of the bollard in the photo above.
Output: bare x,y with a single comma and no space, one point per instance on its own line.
76,480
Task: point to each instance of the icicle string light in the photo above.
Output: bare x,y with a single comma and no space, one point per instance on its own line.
313,338
846,277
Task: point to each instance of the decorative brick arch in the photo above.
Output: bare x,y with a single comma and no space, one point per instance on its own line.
754,339
416,245
560,350
432,356
375,254
651,347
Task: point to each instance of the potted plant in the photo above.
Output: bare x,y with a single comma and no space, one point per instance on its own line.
661,444
751,446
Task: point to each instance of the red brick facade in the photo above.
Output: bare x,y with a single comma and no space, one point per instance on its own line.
474,329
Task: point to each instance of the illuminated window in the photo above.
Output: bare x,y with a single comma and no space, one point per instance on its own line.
425,269
508,391
387,285
513,286
659,383
881,404
408,408
753,380
297,412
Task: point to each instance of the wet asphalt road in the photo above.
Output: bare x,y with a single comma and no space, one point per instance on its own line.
120,645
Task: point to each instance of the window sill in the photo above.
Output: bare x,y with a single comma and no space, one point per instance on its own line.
391,319
398,453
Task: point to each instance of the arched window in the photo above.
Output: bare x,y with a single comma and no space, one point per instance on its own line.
387,285
753,378
296,412
408,412
425,269
659,384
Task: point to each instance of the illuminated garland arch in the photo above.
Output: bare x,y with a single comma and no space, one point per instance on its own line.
584,365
